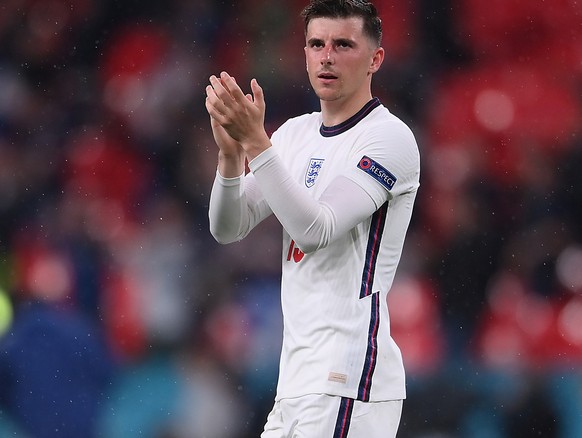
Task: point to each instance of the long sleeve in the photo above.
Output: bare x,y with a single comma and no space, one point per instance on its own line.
312,223
236,207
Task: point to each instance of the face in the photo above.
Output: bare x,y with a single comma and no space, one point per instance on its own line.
341,59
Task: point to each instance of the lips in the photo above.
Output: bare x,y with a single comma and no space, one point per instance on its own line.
326,75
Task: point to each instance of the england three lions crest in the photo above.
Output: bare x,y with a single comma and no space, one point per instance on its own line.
313,171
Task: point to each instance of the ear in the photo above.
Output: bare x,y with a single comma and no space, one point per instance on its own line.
377,59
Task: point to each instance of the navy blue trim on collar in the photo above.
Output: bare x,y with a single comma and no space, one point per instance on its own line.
330,131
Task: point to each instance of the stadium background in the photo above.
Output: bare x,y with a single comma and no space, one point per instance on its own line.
127,320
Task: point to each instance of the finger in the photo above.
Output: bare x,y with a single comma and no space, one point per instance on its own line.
216,83
258,94
211,97
217,104
210,93
220,91
231,86
214,112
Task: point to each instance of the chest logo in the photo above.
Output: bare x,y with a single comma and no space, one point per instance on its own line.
313,170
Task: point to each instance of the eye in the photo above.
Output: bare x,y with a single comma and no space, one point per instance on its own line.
344,44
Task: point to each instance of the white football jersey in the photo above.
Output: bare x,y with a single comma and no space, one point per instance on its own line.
336,323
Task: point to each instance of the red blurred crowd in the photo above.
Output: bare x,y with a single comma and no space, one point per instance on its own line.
106,163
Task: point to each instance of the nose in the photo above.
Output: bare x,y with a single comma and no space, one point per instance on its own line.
327,57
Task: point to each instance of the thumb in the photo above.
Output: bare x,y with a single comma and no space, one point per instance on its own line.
259,96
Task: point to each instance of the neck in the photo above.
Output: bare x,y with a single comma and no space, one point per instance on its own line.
337,111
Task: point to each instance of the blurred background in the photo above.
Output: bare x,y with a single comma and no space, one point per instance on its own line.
121,317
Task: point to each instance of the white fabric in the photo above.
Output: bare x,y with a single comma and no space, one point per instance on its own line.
312,223
316,415
235,209
327,219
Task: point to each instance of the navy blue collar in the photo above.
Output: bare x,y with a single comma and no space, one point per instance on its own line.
330,131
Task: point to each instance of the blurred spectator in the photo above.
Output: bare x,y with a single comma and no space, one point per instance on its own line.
106,162
55,367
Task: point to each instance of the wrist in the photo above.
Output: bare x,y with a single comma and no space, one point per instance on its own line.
234,155
255,147
231,164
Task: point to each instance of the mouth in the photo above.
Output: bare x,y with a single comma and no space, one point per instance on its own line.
327,76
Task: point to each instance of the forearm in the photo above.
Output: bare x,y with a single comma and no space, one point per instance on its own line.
225,210
236,207
312,223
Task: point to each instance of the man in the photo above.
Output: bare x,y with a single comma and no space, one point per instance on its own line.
342,182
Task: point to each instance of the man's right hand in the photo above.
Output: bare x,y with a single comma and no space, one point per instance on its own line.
231,156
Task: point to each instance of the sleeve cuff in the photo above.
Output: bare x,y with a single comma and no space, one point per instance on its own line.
228,182
261,159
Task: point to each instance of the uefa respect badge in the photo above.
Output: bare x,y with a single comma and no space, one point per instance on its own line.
378,172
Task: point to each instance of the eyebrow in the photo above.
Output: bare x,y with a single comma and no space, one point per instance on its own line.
335,41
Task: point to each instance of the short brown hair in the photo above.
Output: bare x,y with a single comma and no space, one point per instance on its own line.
346,9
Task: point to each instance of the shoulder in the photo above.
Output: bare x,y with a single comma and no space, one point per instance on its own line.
386,133
301,126
302,121
387,143
388,123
